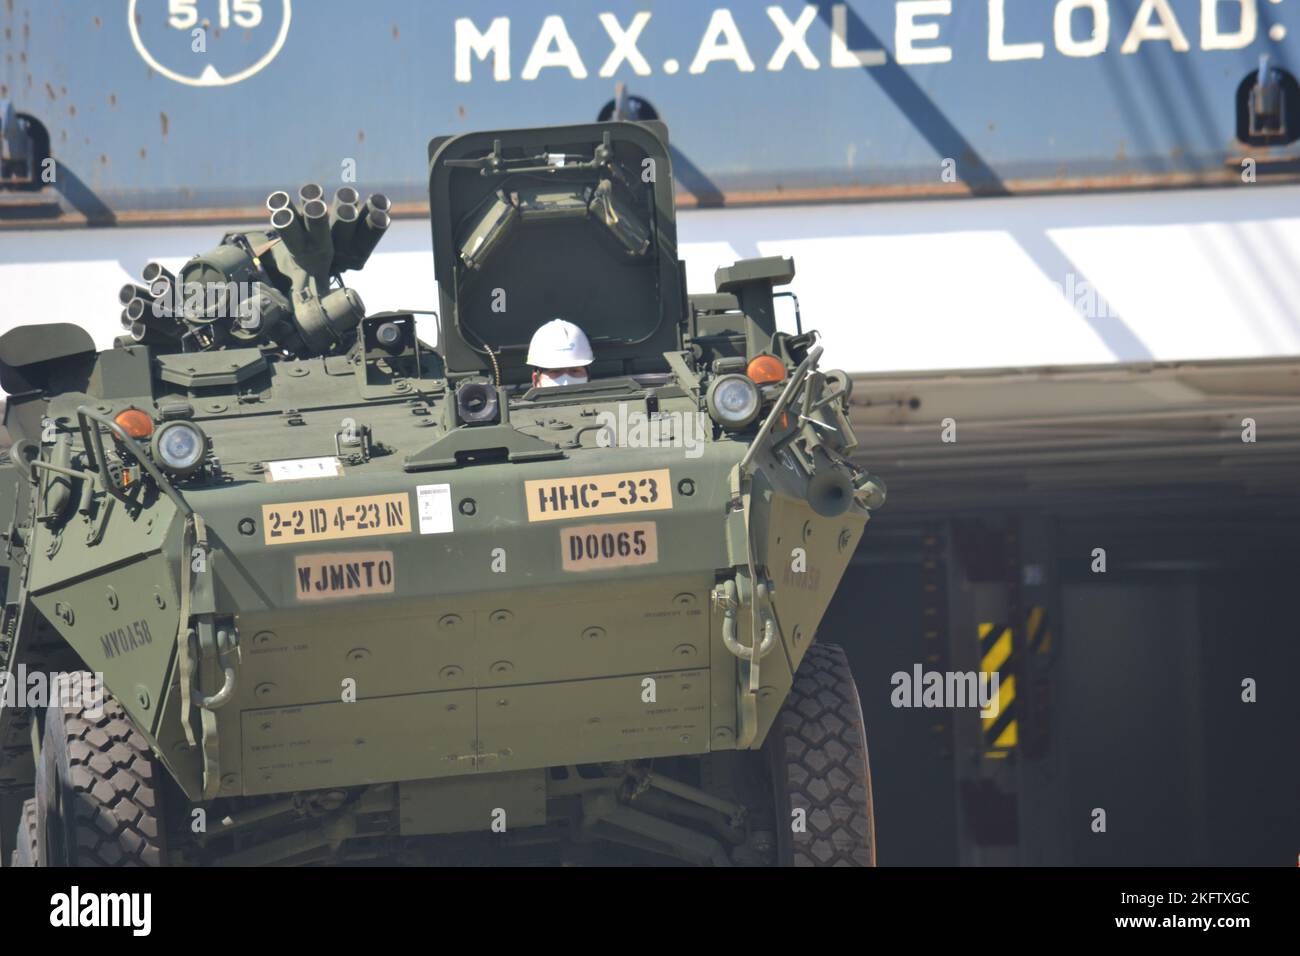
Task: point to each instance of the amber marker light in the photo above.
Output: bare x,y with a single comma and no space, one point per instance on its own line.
766,370
135,423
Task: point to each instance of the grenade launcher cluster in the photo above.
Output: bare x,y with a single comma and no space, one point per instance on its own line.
279,288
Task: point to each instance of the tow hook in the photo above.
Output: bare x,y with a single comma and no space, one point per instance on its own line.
222,647
725,597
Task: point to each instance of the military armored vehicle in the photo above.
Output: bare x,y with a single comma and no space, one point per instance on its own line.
286,584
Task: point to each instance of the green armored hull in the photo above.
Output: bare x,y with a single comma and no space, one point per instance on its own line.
346,595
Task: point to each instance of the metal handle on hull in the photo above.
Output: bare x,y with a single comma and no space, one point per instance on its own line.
222,696
729,602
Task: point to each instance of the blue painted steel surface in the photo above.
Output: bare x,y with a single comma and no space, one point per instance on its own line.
1020,94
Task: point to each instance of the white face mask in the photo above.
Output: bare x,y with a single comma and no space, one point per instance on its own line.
545,379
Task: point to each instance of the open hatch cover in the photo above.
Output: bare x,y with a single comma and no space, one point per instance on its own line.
574,222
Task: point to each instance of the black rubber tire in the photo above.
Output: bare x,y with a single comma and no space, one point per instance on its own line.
98,790
817,754
25,848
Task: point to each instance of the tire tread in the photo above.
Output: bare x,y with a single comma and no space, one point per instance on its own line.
820,762
112,786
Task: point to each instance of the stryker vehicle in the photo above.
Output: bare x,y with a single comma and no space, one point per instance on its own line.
285,584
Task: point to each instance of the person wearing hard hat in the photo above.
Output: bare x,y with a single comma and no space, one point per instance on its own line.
559,354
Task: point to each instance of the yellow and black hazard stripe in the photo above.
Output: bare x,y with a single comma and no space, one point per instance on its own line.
998,656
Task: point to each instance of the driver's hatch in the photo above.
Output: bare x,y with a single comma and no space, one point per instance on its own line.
574,222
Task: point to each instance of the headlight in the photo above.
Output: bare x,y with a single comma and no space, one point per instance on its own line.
733,401
180,447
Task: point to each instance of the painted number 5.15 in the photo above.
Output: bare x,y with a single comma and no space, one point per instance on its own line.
184,14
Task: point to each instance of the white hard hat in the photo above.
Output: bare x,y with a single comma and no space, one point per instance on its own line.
559,344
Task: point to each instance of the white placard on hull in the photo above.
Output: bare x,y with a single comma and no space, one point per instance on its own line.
434,506
295,469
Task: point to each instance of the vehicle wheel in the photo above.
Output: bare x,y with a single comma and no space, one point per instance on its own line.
98,788
25,848
817,752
